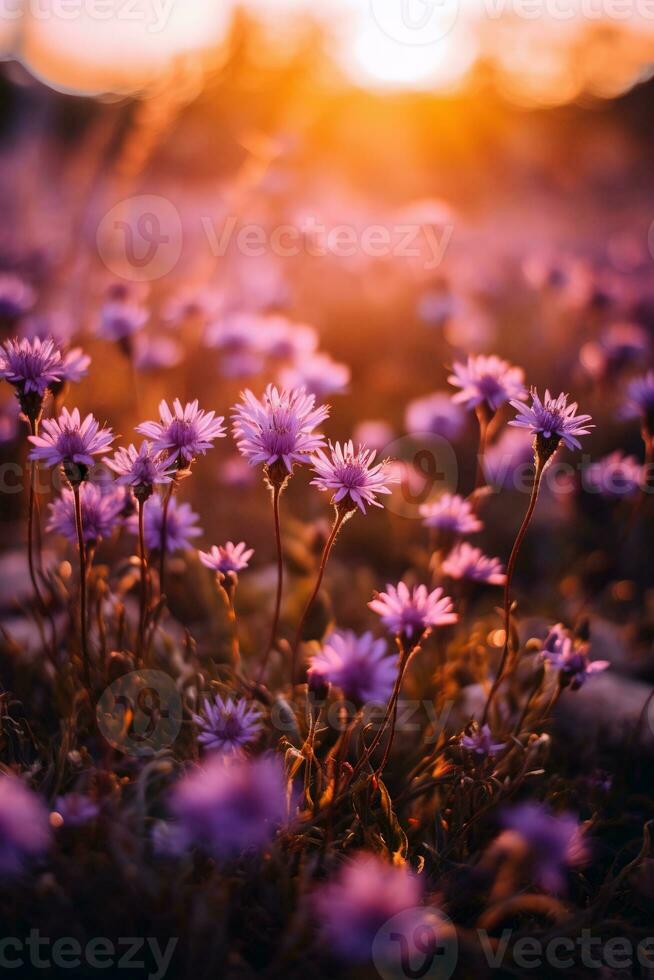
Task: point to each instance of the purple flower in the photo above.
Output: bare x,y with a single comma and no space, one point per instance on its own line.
239,336
550,843
615,475
227,558
352,474
119,320
76,809
31,365
352,907
228,726
452,514
186,431
640,399
318,373
437,415
141,469
24,828
552,420
230,808
358,665
181,525
75,365
411,613
70,441
620,345
480,742
16,296
465,561
570,657
279,427
101,512
487,380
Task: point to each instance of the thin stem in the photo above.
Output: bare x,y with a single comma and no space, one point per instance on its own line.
143,596
233,623
82,585
164,535
32,531
507,586
276,494
484,423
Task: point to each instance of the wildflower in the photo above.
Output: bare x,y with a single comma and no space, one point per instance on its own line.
142,469
411,614
227,809
101,513
239,337
227,726
452,514
187,431
353,906
437,415
358,665
278,428
75,810
227,559
72,442
547,843
551,421
31,366
352,475
615,475
570,657
640,400
467,562
480,742
24,831
487,382
318,373
181,525
120,320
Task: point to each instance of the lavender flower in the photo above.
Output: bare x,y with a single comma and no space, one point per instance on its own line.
72,442
24,830
467,562
452,514
142,469
228,726
353,906
615,475
480,742
358,665
31,366
437,415
319,374
227,559
551,421
487,381
181,525
227,809
550,843
570,657
120,320
75,809
186,431
640,399
279,428
101,512
352,475
411,614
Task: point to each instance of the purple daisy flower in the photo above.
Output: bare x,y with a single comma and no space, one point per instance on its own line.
358,665
467,562
228,726
187,431
319,374
551,843
640,399
31,366
353,906
570,658
120,320
101,512
452,514
411,613
616,475
72,442
353,475
181,525
142,469
487,380
437,415
24,828
480,742
227,558
75,810
230,808
279,428
552,421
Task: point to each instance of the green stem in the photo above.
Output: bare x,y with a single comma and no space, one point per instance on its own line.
82,585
